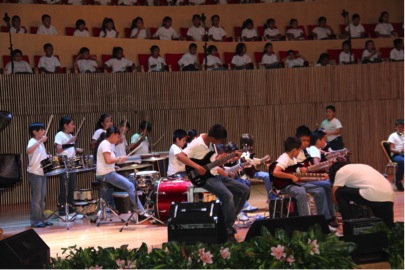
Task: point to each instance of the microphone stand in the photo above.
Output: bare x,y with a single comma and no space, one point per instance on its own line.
205,40
7,21
345,15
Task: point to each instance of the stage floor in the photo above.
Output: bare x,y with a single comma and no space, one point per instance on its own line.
83,233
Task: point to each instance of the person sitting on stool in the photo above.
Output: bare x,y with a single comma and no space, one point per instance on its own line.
363,185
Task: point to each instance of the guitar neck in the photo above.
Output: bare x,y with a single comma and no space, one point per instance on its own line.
219,161
304,177
236,167
320,166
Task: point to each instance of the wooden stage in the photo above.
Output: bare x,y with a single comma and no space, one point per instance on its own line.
15,219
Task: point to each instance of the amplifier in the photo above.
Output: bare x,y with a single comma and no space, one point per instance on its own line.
360,225
196,222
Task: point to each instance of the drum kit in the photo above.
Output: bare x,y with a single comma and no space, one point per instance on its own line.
56,165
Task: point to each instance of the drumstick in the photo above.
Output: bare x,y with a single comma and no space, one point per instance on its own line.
49,124
80,127
133,151
156,143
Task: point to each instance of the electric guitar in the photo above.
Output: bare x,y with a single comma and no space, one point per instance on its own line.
199,180
280,183
237,167
250,171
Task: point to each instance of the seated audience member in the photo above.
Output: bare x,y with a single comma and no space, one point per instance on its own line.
16,27
322,31
271,31
384,28
397,53
396,141
269,58
241,60
81,29
292,184
156,63
196,32
213,62
249,33
46,28
108,29
346,55
87,63
118,63
48,63
370,53
295,33
188,62
166,31
138,29
127,2
323,60
216,32
20,66
293,60
363,185
356,28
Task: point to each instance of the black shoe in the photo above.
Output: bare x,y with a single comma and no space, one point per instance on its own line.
399,186
62,212
47,223
39,225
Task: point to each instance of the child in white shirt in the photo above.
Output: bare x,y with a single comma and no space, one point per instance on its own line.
108,29
356,29
384,28
197,31
323,60
322,31
20,66
397,53
295,33
16,27
166,31
216,33
370,54
81,29
241,60
248,32
46,28
213,61
176,167
118,63
138,29
86,63
188,62
345,56
48,63
269,58
155,62
271,32
293,60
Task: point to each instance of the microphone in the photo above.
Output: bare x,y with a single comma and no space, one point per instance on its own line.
6,18
344,13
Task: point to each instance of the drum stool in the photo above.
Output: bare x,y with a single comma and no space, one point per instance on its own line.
103,205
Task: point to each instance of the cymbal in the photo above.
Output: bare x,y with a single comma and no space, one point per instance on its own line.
133,167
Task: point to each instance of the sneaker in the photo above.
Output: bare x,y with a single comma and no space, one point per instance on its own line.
250,208
144,214
242,216
39,225
333,223
399,186
332,229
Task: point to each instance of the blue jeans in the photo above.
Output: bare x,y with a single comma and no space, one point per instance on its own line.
38,193
71,186
265,177
121,182
300,194
232,195
327,186
399,159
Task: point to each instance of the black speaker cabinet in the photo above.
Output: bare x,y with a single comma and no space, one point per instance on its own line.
196,222
291,224
370,247
24,250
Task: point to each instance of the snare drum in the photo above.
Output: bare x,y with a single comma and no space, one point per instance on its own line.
168,192
54,165
75,163
147,178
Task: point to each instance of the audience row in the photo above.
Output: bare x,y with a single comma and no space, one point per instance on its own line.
84,62
197,32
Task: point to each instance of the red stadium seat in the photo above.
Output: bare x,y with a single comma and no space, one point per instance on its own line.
237,31
96,31
258,57
260,31
143,61
172,60
228,58
33,29
127,31
399,28
334,55
385,52
369,29
357,54
4,29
